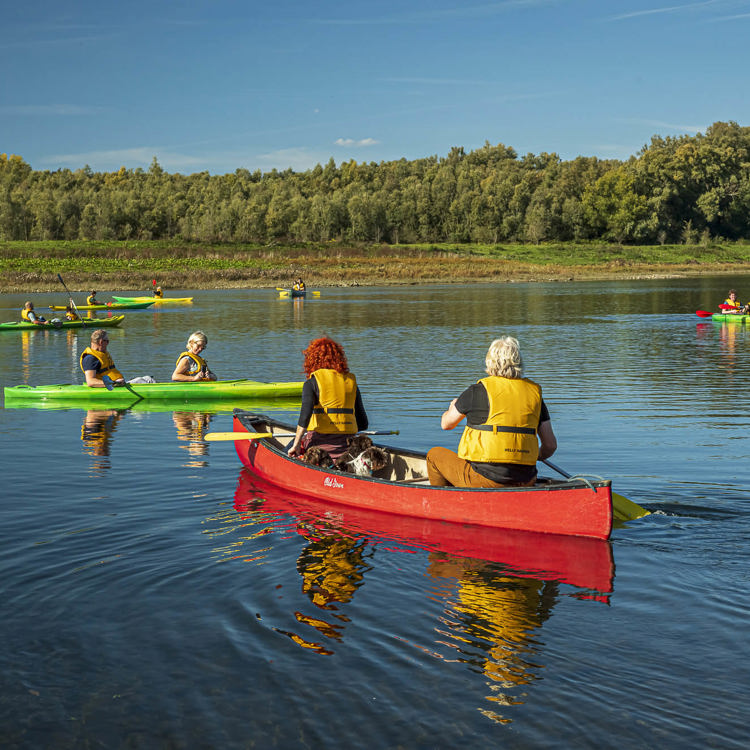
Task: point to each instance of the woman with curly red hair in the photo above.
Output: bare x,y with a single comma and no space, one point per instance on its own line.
332,408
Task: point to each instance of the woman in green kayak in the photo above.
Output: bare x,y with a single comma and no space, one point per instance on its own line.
190,365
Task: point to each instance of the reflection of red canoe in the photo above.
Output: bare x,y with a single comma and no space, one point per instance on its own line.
579,561
570,506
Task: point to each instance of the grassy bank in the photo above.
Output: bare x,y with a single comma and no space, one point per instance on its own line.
33,266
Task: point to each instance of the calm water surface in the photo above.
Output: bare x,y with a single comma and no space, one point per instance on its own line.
151,599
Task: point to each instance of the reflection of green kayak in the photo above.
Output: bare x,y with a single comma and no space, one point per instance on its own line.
204,406
92,323
730,318
175,392
108,306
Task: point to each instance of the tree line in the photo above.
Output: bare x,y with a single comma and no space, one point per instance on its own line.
676,189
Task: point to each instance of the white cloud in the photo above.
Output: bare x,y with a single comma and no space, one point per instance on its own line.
352,142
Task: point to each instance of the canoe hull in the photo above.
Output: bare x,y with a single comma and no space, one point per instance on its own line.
172,391
90,323
576,560
564,507
108,306
155,300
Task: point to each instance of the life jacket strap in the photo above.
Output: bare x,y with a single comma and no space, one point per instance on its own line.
500,428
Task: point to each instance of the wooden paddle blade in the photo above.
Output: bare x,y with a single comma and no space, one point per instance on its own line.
626,510
222,436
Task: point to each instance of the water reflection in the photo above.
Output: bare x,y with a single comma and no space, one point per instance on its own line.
97,431
502,584
491,623
191,429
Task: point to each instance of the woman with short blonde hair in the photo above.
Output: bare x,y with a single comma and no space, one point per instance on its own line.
190,364
508,427
504,358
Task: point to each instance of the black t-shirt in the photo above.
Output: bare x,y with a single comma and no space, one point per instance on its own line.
475,404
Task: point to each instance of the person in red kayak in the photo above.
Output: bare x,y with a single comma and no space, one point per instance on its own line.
508,427
332,409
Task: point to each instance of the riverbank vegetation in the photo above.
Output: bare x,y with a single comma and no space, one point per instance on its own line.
688,190
33,266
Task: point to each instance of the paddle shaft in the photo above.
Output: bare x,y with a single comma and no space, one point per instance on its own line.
110,386
217,436
622,508
70,296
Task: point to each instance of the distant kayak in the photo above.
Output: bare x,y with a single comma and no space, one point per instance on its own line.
92,323
170,391
730,318
108,306
155,300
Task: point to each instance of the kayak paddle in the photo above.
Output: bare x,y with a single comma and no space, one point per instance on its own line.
216,436
703,313
622,508
83,322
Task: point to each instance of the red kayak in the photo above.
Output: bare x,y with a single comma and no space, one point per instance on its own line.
579,561
576,506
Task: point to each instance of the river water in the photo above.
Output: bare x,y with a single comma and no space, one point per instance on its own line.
150,599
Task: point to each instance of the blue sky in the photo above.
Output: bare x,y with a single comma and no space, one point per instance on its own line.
226,84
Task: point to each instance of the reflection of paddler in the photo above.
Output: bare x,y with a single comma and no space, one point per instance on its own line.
500,614
191,428
97,430
332,569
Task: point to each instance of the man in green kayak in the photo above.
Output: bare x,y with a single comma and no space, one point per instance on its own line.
96,362
98,366
28,315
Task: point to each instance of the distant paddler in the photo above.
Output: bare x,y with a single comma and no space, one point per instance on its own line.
732,305
30,316
299,285
71,313
190,365
92,300
158,292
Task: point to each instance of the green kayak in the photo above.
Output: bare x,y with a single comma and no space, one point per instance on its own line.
206,406
91,323
155,300
75,395
730,318
107,306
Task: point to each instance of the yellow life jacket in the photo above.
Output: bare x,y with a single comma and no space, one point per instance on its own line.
334,412
105,360
158,292
91,300
733,303
69,315
510,433
200,363
25,315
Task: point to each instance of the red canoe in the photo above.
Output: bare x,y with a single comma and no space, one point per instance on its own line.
579,561
577,506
